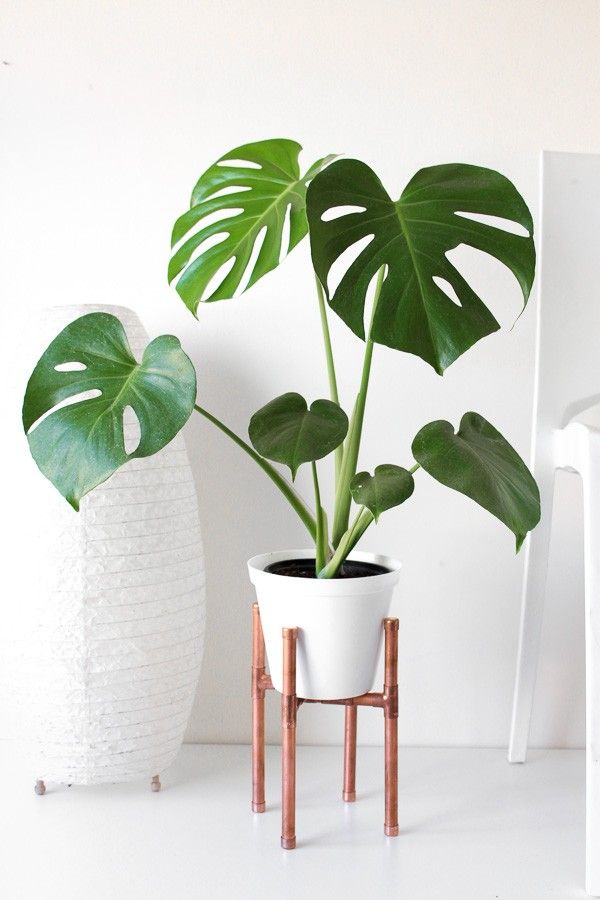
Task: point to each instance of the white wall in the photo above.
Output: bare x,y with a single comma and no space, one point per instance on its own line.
113,109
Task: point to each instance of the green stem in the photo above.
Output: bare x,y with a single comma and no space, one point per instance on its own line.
414,468
343,497
333,389
349,540
321,539
295,501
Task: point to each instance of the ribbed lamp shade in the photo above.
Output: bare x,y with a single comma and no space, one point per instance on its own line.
110,666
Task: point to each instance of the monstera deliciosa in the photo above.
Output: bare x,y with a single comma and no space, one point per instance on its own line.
411,237
249,190
248,210
79,445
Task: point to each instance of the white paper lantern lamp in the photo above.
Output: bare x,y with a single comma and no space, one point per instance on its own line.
110,665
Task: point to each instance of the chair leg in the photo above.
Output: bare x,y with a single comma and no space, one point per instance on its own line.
532,611
349,792
390,692
590,474
258,714
288,740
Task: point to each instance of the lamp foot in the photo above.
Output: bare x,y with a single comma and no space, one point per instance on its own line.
40,788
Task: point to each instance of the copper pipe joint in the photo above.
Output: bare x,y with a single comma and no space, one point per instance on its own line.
265,683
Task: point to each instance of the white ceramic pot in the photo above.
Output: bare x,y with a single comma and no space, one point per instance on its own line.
339,622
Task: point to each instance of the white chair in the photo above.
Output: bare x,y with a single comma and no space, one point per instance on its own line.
566,435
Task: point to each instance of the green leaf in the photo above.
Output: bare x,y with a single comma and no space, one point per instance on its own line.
389,486
288,432
262,195
412,237
480,463
79,445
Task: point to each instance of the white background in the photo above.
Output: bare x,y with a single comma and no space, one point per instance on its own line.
111,110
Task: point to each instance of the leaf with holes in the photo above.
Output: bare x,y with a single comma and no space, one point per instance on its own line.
438,210
288,432
389,486
248,191
480,463
79,445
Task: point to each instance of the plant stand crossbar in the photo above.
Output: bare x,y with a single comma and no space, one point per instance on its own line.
387,701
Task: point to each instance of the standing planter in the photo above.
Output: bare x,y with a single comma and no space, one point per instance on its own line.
338,621
114,657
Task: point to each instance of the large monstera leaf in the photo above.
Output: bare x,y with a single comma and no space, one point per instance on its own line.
79,445
480,463
288,432
249,190
412,238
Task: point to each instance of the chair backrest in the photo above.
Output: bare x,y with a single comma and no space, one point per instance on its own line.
568,349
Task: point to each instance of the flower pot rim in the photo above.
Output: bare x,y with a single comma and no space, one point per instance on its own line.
367,584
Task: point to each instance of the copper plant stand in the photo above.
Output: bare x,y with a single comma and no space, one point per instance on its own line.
387,701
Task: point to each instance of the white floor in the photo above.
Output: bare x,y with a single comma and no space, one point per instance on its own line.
472,828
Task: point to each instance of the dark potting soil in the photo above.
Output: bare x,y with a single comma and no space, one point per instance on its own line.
305,568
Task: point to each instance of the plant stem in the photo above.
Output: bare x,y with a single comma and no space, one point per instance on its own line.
295,501
349,540
343,497
333,389
321,539
414,468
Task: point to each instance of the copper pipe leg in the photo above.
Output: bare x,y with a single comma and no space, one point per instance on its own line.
155,784
40,788
288,740
391,827
258,714
390,692
349,792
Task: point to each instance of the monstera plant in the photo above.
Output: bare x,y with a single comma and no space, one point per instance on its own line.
247,211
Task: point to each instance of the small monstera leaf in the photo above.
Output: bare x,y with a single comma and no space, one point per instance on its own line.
266,180
480,463
79,445
389,486
412,237
288,432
